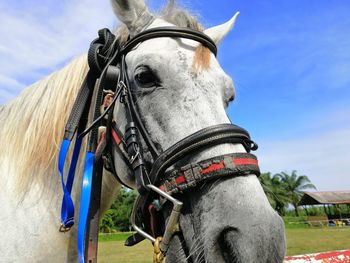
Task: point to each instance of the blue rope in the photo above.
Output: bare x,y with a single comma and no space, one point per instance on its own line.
85,203
67,208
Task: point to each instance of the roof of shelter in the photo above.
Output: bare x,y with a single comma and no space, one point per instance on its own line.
329,197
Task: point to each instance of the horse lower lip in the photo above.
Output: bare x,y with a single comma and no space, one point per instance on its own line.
226,243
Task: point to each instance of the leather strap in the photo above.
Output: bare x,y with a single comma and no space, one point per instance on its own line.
179,32
189,176
210,136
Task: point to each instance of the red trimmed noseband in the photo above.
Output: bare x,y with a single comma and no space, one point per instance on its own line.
189,176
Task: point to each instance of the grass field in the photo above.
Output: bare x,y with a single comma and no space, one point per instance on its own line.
299,241
310,240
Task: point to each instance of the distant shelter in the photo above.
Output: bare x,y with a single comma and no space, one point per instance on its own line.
331,201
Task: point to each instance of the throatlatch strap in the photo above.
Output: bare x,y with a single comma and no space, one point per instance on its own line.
81,102
234,164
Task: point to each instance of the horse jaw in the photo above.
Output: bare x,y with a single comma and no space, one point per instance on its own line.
229,220
218,33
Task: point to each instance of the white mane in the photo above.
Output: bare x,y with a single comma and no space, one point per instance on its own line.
33,123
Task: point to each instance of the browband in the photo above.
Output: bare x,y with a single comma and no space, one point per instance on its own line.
180,32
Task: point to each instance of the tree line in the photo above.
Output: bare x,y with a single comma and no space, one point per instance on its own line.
117,218
281,189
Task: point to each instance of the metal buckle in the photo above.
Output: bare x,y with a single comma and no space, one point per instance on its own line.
64,229
172,225
133,158
121,85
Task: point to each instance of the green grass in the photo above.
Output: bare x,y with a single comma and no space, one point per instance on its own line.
311,240
299,241
116,252
119,236
295,222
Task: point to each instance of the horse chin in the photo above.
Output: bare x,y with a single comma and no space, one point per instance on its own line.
226,252
178,251
228,221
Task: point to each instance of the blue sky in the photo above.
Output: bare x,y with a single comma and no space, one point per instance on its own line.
290,61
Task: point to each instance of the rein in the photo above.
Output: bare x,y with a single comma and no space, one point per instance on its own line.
155,184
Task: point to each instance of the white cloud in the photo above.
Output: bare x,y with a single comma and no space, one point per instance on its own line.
40,38
324,158
10,82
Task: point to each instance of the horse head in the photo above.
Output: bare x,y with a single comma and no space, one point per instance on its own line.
179,88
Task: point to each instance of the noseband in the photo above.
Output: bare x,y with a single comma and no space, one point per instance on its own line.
155,179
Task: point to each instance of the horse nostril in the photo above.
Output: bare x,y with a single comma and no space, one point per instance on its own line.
227,243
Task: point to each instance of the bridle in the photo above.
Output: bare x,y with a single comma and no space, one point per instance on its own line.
154,182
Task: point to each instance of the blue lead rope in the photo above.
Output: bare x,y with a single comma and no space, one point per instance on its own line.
67,209
85,203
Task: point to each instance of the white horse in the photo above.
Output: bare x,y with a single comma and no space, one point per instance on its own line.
185,90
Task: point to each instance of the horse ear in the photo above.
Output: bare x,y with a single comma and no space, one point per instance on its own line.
133,13
217,33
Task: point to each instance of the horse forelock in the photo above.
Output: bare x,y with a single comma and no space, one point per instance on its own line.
33,123
182,18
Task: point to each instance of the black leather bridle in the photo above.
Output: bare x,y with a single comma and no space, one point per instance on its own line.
154,182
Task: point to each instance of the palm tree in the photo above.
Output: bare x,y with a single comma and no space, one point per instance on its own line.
294,186
275,192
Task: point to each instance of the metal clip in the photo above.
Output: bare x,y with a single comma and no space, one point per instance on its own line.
64,229
121,85
133,158
173,221
158,255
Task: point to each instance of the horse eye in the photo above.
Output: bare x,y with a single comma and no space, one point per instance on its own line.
145,77
227,101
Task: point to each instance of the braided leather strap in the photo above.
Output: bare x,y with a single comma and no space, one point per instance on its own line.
234,164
